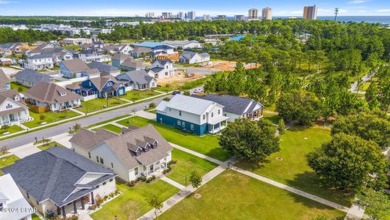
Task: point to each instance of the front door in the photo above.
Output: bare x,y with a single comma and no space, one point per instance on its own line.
12,117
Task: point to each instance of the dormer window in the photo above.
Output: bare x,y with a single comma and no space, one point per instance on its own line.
146,148
8,106
63,94
1,207
138,152
155,144
17,98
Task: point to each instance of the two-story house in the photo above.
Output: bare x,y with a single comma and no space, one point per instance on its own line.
104,86
137,80
39,62
12,109
152,49
136,153
60,182
162,68
191,114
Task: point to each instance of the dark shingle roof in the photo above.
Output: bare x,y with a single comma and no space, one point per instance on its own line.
50,93
156,69
32,76
233,104
88,139
53,174
102,67
75,65
163,62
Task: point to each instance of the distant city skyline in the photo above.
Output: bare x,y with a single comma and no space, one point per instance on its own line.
200,7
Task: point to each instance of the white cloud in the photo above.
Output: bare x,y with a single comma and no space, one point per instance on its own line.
357,1
383,10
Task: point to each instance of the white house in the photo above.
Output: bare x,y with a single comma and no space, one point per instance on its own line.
51,97
137,80
77,41
39,62
162,68
12,109
192,114
189,57
133,154
12,199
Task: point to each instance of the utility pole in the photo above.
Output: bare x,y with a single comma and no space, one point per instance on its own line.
336,12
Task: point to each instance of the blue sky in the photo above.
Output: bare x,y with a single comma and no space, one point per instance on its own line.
212,7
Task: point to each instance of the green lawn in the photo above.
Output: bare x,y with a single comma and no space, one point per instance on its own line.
19,88
108,121
135,95
274,118
292,168
11,129
49,145
50,117
207,145
6,161
232,195
112,128
186,163
365,86
132,202
99,104
35,217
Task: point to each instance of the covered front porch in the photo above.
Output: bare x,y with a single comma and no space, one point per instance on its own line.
14,116
217,124
75,207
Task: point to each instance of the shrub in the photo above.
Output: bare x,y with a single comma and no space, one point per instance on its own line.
98,200
132,183
4,150
172,162
5,127
166,99
141,178
42,117
105,198
152,105
150,179
187,93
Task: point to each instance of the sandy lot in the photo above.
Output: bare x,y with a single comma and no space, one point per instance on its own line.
178,79
223,65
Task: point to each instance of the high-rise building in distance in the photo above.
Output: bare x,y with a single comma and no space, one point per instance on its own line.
149,15
206,18
266,13
191,15
180,15
239,17
310,12
253,14
221,17
166,15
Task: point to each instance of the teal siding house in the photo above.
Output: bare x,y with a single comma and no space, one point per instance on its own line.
192,115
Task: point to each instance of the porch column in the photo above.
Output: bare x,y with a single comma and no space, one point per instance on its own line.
58,210
63,212
9,119
1,120
74,207
82,204
92,198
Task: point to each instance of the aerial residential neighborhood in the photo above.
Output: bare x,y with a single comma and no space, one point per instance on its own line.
231,110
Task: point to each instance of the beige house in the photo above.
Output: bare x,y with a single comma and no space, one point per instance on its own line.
135,153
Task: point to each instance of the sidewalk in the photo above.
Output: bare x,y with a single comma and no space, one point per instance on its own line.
172,182
146,115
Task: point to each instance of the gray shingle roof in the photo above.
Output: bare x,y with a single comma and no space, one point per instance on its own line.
137,76
50,93
163,62
102,67
233,104
53,175
75,65
156,69
40,56
3,79
32,76
88,139
139,138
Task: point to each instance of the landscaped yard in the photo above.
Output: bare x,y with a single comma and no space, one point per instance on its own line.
207,145
49,145
186,163
19,88
6,161
99,104
232,195
108,121
35,217
132,202
273,117
289,165
11,129
49,117
111,127
135,95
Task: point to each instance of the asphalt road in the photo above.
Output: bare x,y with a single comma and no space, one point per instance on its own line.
62,128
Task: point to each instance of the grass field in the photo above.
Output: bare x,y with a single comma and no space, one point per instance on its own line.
99,104
112,128
50,117
186,163
207,145
235,196
19,88
49,145
292,168
11,129
6,161
135,95
132,201
274,118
